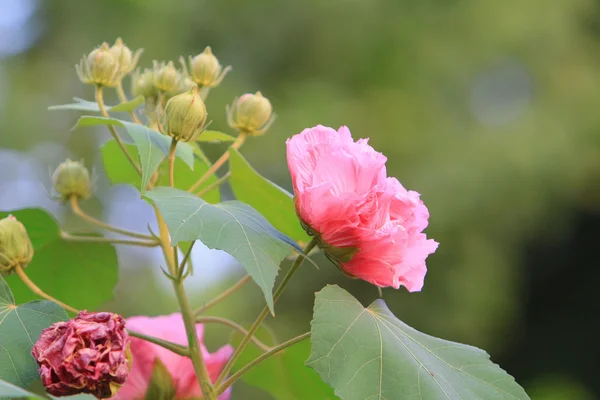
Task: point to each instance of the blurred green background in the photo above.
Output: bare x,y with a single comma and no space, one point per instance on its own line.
489,109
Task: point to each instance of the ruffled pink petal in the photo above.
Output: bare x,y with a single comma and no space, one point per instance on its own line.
344,195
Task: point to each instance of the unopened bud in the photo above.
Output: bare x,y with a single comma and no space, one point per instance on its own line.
251,114
166,77
184,116
126,59
142,84
71,178
206,70
15,246
100,67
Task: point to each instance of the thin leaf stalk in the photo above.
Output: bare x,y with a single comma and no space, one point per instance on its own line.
261,317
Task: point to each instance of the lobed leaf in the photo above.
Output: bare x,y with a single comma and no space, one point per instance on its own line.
82,274
20,327
368,353
231,226
275,203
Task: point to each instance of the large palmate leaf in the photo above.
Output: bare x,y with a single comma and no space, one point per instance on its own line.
84,105
152,146
119,170
20,327
275,203
80,274
230,226
367,353
284,375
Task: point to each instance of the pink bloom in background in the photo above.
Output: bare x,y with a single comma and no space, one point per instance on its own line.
171,328
367,221
87,354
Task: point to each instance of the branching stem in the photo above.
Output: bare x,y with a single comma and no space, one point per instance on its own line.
113,131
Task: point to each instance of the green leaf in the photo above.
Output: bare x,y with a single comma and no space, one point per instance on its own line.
10,391
119,171
20,328
284,375
275,203
128,106
161,386
367,353
152,146
230,226
81,274
84,105
214,137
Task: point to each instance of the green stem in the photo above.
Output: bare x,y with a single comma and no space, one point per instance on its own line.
74,202
123,99
213,185
174,347
237,286
231,380
187,313
36,290
213,168
171,159
233,325
113,131
265,311
100,239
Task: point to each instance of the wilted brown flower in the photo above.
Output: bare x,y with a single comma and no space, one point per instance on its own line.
87,354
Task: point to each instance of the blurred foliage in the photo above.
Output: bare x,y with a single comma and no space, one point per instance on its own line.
489,109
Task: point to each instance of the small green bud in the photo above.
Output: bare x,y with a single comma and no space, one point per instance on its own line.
15,245
206,70
167,78
142,84
184,116
126,59
100,67
251,114
71,178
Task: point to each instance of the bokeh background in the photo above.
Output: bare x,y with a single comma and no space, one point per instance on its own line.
490,109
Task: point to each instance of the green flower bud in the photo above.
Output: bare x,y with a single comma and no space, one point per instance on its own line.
100,67
167,78
184,116
126,59
206,70
15,245
251,114
142,84
71,178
